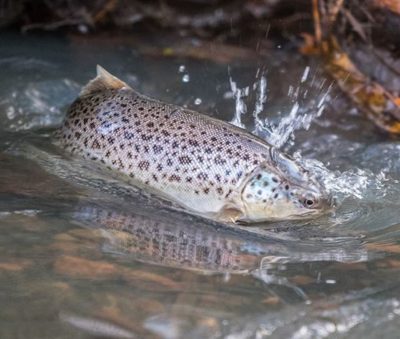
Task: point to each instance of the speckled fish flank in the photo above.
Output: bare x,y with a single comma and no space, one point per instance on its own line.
206,165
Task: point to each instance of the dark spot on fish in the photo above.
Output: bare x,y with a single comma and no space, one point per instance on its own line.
219,160
157,149
202,176
128,135
95,144
193,143
174,177
184,160
144,165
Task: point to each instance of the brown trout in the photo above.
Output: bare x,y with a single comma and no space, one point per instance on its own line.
207,166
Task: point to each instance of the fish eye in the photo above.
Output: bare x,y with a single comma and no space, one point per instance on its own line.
310,201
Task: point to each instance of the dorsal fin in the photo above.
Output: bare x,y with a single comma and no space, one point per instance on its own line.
104,80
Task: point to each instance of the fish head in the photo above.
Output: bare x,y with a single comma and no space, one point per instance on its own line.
281,189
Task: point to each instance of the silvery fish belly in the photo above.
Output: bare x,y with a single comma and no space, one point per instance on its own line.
205,165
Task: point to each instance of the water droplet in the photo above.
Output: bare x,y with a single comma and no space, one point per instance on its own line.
186,78
83,29
305,74
182,68
10,112
197,101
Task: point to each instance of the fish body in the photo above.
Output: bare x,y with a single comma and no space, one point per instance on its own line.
205,165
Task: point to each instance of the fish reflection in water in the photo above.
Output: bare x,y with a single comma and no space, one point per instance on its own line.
191,244
96,327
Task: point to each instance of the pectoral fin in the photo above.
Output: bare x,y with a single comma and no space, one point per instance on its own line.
230,214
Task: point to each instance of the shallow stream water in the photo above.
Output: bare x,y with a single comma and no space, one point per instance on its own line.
83,255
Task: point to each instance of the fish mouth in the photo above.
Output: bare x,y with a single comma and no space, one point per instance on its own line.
329,203
325,205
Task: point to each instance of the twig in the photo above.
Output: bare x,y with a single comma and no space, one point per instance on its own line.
334,11
355,24
383,61
317,22
107,8
53,25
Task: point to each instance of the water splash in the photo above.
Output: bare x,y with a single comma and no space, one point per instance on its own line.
37,104
240,107
299,117
261,87
355,183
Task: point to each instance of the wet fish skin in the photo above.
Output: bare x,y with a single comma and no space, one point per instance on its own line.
206,165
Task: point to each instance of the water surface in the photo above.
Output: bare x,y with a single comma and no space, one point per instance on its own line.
84,255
